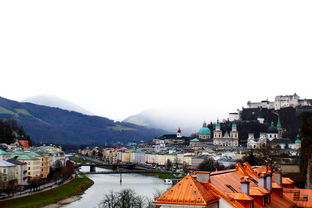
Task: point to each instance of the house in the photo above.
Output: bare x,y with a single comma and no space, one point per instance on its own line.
4,155
33,163
242,187
20,171
7,171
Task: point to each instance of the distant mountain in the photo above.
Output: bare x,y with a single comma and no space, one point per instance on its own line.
54,125
53,101
189,120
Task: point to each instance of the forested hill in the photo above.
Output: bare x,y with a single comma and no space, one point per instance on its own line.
9,130
54,125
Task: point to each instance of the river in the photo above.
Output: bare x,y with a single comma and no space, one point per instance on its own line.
143,185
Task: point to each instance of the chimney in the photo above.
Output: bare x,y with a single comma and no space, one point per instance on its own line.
245,183
278,178
269,181
203,177
262,180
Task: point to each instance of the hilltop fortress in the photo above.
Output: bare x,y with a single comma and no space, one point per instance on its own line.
281,101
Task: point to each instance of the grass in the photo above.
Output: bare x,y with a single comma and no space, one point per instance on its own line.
121,128
74,187
136,121
6,111
80,160
164,175
22,111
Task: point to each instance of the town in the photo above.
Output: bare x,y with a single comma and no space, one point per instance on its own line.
251,159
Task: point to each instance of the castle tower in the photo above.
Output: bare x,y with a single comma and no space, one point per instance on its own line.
179,133
234,132
217,133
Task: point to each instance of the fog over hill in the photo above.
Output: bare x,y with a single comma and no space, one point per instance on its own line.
54,101
189,119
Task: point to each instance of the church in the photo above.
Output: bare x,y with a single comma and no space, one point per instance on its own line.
228,139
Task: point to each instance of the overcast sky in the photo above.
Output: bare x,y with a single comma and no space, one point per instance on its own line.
116,58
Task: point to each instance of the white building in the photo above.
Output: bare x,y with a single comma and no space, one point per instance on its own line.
20,172
230,140
281,101
234,116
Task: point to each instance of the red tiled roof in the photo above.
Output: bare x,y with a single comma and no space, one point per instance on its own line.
276,186
240,196
189,192
227,185
301,201
287,181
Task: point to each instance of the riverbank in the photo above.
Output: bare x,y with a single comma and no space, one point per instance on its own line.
72,188
165,175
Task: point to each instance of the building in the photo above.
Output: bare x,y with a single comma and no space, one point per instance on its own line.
44,163
234,116
243,187
20,172
253,143
204,132
24,141
4,155
229,140
7,171
273,135
171,139
33,164
281,101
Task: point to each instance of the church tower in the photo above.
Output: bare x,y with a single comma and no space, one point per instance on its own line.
179,133
234,132
217,133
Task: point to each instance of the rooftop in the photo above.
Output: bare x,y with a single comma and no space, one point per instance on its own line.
4,163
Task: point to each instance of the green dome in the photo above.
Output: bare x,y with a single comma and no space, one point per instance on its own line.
298,141
195,140
2,152
204,130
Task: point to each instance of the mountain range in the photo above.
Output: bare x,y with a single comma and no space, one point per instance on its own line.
54,125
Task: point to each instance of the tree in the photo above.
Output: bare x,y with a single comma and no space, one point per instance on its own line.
209,164
250,158
306,146
126,198
169,164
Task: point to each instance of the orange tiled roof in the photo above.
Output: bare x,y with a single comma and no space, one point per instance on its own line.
220,180
226,185
256,191
249,169
189,192
287,181
301,201
240,196
276,186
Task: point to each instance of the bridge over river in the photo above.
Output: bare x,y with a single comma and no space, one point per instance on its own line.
124,171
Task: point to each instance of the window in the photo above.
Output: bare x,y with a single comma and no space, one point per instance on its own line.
4,170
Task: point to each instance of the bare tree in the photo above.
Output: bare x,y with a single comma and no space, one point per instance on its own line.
126,198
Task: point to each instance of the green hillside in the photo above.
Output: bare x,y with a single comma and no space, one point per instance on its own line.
54,125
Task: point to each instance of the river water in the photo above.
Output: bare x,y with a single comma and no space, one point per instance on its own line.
143,185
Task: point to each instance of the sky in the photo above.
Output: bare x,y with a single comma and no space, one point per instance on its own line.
118,58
